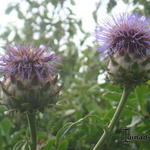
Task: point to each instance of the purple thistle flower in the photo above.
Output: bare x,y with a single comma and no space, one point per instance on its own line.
28,62
124,34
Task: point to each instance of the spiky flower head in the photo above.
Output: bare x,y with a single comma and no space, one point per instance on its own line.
124,34
29,77
126,39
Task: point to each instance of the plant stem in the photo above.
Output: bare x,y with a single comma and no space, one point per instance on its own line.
32,125
125,94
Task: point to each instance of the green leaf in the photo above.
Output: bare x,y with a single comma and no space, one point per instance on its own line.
135,120
111,5
63,145
50,144
5,126
9,9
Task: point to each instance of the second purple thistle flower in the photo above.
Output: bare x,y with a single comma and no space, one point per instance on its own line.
126,40
125,33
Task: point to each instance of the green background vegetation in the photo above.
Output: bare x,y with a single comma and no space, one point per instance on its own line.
85,107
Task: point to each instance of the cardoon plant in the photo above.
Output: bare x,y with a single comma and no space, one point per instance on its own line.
29,81
125,41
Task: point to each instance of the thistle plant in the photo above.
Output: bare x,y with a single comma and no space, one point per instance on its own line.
125,41
29,82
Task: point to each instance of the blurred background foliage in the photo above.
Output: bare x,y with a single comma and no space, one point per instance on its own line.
85,106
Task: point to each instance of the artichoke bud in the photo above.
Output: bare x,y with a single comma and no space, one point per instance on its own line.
125,40
34,84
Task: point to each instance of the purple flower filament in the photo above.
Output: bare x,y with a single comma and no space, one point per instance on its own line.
124,34
28,62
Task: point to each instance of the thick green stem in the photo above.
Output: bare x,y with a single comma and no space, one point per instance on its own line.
32,125
114,120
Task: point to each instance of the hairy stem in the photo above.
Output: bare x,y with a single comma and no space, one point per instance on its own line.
114,119
32,125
